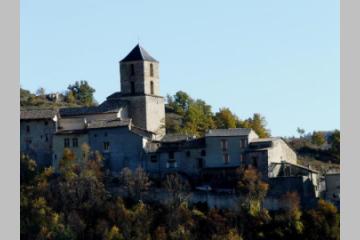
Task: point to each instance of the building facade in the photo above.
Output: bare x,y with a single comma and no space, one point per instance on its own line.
128,129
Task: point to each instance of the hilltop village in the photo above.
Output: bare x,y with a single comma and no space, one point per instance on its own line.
128,129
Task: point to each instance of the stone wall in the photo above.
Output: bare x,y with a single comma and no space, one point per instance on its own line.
281,152
141,77
185,161
155,115
37,142
125,150
59,146
215,154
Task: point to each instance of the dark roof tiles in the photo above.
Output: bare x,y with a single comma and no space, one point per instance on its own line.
105,107
37,114
138,54
228,132
107,123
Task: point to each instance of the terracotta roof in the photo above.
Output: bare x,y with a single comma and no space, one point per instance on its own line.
37,114
138,54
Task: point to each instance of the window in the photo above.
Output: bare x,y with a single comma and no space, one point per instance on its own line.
28,143
151,70
203,153
151,87
66,142
27,128
171,165
243,143
226,158
46,123
153,158
171,155
106,146
224,144
132,87
132,69
200,163
75,142
255,162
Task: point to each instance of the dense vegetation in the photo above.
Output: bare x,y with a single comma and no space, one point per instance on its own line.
194,117
77,94
76,203
318,150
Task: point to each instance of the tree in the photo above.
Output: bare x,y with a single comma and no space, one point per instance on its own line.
134,222
40,221
135,183
300,131
335,143
231,235
318,138
180,102
82,92
198,118
252,190
323,222
225,118
188,116
70,98
25,96
258,124
93,164
114,234
40,92
287,222
178,188
67,165
27,170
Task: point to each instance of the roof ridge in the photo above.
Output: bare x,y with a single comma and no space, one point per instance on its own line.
138,53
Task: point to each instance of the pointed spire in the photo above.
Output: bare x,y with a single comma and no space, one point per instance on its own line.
138,54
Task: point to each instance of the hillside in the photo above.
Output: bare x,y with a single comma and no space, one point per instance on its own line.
186,115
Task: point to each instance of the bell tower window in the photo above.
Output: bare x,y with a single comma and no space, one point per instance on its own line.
132,69
151,70
132,87
152,88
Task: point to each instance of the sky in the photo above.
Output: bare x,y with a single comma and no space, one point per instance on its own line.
279,58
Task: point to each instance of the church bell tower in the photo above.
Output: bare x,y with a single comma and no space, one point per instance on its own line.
140,86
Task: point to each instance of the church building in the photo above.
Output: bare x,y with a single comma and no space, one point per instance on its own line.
128,129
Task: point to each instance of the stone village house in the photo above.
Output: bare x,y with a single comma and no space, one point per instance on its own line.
128,128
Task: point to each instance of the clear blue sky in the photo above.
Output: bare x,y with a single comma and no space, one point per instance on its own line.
280,58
